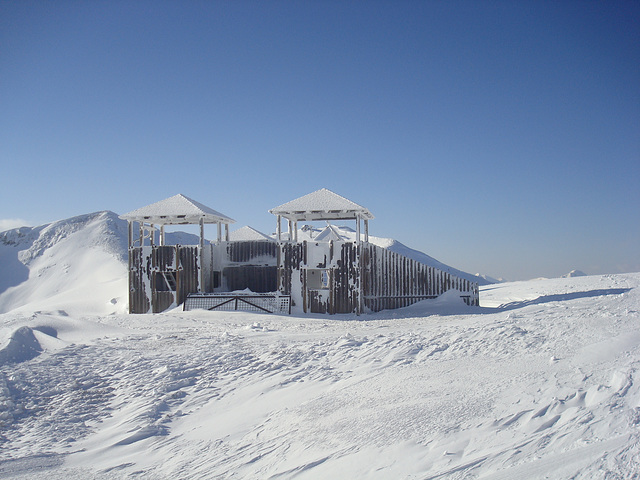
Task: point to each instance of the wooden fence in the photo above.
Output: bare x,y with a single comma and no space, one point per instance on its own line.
391,280
361,277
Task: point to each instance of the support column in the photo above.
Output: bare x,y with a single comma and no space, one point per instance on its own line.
130,233
162,239
219,232
279,228
226,232
152,235
366,231
201,266
358,230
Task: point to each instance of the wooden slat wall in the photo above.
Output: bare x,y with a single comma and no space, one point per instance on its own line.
391,280
139,302
163,260
249,251
291,256
345,285
188,272
254,265
257,278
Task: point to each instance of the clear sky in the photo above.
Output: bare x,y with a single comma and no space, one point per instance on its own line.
500,137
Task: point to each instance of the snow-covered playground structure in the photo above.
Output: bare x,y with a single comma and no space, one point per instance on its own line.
335,270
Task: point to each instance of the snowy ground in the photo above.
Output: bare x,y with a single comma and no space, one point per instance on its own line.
541,381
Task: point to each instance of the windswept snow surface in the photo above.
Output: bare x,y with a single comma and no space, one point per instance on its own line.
541,381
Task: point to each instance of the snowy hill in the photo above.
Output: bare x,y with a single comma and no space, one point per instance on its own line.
541,381
61,265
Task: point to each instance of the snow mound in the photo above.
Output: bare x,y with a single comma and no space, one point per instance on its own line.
574,273
22,346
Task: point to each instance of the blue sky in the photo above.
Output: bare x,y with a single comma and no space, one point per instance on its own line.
499,137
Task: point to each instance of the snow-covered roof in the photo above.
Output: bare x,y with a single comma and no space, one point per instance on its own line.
176,210
247,233
329,233
322,204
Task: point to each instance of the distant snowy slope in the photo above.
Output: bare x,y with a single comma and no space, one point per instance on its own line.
80,262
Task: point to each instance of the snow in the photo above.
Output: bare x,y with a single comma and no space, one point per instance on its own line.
248,234
575,273
540,381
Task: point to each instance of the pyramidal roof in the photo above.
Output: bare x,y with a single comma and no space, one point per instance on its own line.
248,234
176,210
322,204
329,233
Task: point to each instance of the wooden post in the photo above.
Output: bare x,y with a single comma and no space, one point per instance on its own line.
130,233
226,232
201,279
141,233
279,228
162,238
359,270
295,230
152,235
219,232
358,229
366,230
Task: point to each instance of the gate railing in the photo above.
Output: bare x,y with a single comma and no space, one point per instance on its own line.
252,302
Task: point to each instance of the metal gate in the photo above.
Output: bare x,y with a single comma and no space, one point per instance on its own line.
252,302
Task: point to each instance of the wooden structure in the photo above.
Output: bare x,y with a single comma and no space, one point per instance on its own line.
163,275
329,273
332,275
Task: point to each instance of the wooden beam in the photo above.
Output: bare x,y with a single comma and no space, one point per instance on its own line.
201,279
279,228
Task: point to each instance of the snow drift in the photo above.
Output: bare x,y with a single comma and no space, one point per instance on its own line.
540,382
